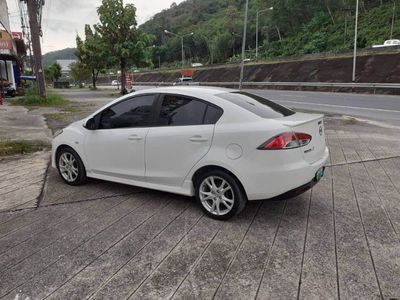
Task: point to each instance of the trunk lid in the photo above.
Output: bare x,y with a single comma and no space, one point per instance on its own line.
313,125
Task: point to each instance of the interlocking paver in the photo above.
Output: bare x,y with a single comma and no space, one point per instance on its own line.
319,273
357,278
22,180
383,243
282,272
163,229
111,241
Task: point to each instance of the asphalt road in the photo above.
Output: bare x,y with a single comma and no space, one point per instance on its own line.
376,107
384,108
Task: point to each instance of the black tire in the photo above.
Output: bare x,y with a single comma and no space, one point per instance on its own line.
239,196
78,179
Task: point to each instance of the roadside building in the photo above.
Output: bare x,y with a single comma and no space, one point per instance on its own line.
12,49
65,66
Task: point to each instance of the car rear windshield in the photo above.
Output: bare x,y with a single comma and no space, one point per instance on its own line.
260,106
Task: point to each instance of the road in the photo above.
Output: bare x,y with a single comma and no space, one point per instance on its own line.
376,107
384,108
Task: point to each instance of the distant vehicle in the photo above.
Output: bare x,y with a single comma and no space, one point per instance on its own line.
197,65
115,83
247,60
185,81
8,88
223,146
388,43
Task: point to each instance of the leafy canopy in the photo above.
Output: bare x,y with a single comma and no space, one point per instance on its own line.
125,44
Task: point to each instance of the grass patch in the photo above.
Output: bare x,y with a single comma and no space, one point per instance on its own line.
349,121
33,99
20,147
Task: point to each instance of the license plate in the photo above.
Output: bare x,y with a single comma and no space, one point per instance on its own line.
319,174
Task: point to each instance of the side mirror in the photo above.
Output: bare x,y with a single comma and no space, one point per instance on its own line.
91,124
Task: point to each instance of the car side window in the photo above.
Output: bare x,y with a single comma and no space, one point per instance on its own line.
134,112
212,114
180,111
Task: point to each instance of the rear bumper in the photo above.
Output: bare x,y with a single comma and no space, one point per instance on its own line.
289,178
299,190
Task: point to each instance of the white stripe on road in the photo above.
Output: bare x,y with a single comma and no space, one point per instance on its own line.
339,106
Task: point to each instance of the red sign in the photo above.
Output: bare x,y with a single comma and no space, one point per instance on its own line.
128,80
17,35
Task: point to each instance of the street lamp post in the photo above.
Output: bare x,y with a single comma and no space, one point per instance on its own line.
181,37
355,46
243,45
257,17
393,17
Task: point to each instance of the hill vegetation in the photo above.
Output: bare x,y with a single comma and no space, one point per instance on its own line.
51,57
292,27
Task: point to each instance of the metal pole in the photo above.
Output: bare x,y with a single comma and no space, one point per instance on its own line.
257,15
243,45
355,46
394,13
182,51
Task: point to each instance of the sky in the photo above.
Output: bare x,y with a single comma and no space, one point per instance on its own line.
62,20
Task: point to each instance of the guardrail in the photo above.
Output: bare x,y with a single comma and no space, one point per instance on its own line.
290,84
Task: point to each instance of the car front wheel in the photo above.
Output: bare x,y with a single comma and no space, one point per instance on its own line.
70,167
220,195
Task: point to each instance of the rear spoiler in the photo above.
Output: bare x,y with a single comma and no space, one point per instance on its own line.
301,118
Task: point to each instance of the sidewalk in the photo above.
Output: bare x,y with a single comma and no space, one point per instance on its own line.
22,176
18,123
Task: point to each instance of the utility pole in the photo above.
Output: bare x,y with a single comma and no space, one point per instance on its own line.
243,46
355,46
33,14
257,20
393,17
181,37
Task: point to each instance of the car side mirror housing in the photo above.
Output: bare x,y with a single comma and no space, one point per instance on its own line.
91,124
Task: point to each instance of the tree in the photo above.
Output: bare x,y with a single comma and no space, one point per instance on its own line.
124,42
92,53
52,72
80,72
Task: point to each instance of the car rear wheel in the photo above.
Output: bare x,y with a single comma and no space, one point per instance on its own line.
220,195
70,167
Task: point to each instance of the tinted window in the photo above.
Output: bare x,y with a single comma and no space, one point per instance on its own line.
135,112
212,115
179,111
260,106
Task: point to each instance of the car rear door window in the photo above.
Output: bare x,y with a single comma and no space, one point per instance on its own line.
212,115
134,112
179,110
260,106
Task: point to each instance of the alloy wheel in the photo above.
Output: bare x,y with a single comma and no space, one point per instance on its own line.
216,195
68,167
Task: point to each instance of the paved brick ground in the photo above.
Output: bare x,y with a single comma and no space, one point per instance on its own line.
109,241
21,180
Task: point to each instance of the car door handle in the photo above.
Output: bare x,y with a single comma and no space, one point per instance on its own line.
198,139
134,137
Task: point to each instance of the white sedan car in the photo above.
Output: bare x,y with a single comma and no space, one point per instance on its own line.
223,146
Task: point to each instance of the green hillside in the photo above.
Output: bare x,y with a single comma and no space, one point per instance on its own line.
50,57
293,27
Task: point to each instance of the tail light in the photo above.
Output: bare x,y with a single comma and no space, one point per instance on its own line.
287,140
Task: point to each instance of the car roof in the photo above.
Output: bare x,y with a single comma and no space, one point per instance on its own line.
187,90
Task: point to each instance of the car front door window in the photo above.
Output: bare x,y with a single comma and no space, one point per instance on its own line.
135,112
